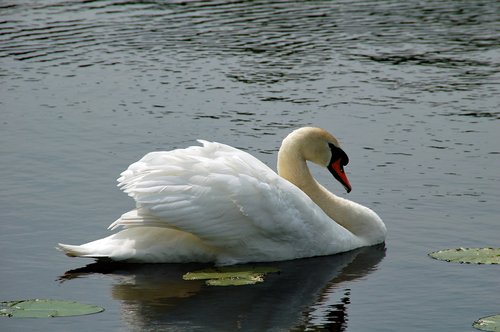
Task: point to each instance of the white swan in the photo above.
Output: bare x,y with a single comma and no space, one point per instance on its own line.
215,203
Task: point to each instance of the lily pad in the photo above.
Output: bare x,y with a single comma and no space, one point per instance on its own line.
231,276
469,255
489,323
44,308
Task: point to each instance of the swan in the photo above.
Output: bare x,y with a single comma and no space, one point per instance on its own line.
215,203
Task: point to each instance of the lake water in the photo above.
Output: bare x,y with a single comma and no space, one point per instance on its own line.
411,88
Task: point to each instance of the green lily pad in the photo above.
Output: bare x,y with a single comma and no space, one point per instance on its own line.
231,276
469,255
489,323
43,308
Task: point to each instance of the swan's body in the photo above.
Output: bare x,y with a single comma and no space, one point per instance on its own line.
215,203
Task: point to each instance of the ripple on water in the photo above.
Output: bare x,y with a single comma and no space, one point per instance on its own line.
295,53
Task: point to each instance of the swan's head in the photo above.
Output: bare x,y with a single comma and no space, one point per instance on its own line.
320,147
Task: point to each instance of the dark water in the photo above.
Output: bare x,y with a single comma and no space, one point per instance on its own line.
411,88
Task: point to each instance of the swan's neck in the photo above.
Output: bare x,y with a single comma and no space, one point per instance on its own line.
293,167
359,220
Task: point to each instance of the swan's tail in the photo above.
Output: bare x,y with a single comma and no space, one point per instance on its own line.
77,251
119,246
123,245
145,244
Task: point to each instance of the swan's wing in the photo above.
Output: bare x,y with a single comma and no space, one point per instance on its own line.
195,189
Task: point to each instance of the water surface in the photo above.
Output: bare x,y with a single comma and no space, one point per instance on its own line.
410,89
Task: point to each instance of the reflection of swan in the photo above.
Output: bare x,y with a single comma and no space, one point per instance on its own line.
218,203
308,294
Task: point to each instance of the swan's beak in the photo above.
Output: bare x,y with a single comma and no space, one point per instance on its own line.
337,170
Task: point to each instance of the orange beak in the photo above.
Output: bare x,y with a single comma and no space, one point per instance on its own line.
337,170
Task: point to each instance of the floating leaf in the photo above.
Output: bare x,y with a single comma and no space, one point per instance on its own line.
489,323
43,308
231,276
469,255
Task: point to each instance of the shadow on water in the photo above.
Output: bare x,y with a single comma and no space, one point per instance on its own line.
307,294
